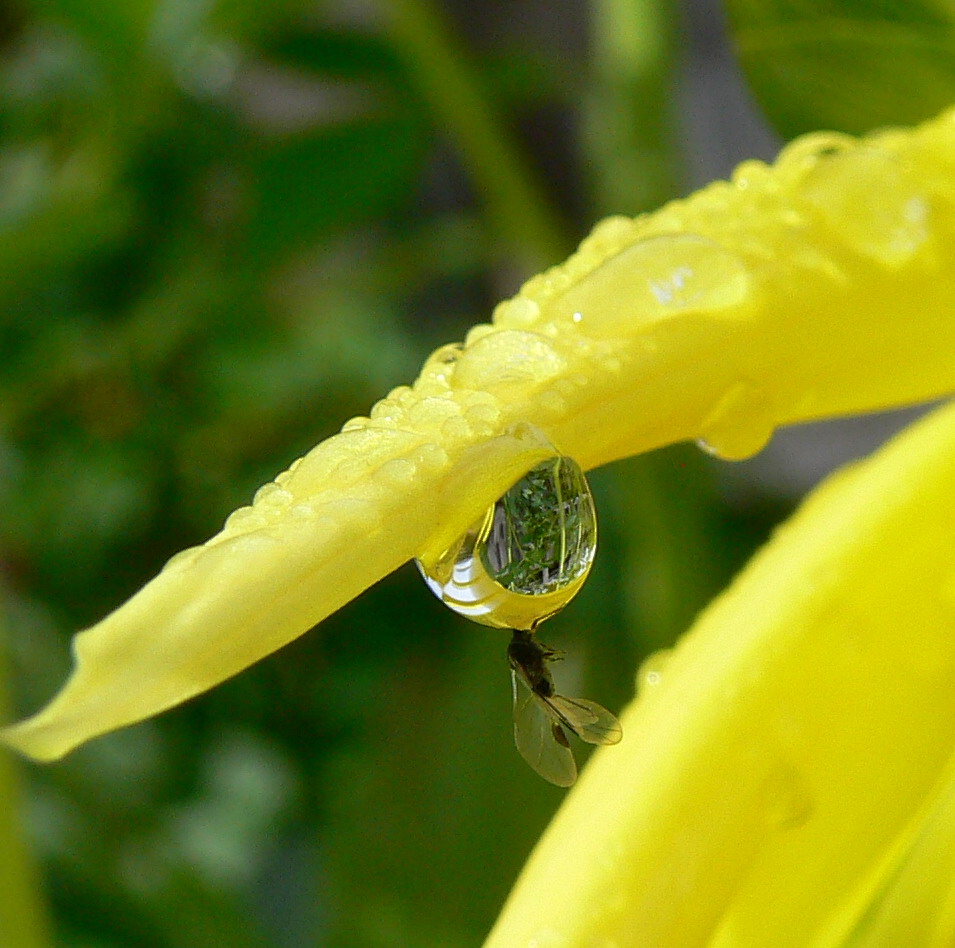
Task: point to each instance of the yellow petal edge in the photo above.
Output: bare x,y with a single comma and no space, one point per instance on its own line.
817,286
788,780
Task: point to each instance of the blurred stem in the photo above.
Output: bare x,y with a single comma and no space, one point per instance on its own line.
449,82
629,114
23,917
666,503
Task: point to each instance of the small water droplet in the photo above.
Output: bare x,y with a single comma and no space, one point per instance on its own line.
740,426
432,412
355,424
455,429
482,418
507,360
282,478
347,456
386,412
807,151
651,671
446,355
477,332
656,278
611,230
437,371
865,198
244,519
398,472
271,495
520,313
751,174
527,556
431,457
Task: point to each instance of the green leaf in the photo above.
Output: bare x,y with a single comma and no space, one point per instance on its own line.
346,54
332,178
849,65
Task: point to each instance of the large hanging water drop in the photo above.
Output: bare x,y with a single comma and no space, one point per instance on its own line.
527,556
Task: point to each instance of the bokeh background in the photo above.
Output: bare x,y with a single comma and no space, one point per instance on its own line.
226,228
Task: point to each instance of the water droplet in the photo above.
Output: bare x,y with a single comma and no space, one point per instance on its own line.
865,198
506,360
387,412
431,457
741,424
482,418
454,430
751,174
657,278
398,472
807,151
477,332
282,478
445,355
431,412
347,456
245,519
527,556
651,671
437,371
271,495
355,424
520,313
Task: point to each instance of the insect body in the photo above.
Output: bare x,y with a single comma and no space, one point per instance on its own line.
541,715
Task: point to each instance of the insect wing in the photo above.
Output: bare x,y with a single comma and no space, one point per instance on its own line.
538,736
587,719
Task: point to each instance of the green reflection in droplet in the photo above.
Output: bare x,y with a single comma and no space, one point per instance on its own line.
527,556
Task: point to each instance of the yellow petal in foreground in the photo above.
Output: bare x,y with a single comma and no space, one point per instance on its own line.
788,780
821,285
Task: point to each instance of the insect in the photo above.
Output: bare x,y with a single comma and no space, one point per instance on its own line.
542,717
521,562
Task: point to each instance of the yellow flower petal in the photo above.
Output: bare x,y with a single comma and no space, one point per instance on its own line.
788,780
818,286
302,550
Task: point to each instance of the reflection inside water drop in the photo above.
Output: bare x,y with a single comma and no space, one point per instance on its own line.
527,556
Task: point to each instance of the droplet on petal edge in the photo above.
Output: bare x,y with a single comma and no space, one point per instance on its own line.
740,426
506,360
528,554
657,278
652,669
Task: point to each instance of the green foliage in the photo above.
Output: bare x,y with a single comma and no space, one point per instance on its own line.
848,65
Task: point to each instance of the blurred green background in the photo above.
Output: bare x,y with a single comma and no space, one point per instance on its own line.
225,228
